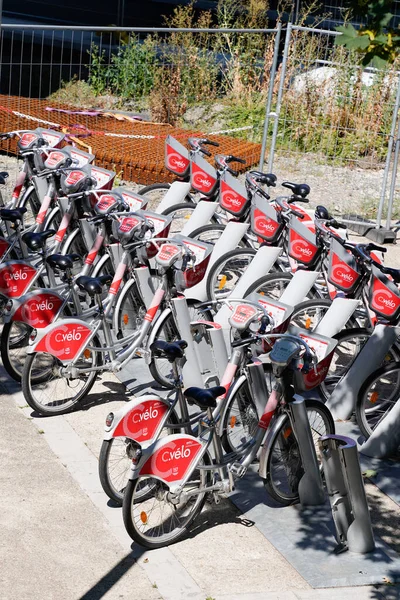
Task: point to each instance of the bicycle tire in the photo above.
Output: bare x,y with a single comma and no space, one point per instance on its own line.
211,234
343,357
368,413
308,314
31,385
180,214
284,449
165,329
229,267
131,311
114,484
274,284
134,512
156,192
240,418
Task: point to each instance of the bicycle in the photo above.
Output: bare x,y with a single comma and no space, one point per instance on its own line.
143,419
75,368
171,479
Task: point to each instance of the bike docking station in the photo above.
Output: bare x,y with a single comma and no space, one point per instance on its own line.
313,535
175,195
346,492
343,399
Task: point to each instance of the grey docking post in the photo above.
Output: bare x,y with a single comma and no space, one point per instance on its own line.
347,494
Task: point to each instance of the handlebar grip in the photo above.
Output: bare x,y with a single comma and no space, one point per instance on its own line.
376,247
297,214
264,193
237,159
210,142
233,172
298,199
206,152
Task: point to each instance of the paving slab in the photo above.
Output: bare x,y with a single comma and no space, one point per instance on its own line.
54,542
305,537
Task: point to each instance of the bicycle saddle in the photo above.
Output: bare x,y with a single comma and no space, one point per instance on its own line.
36,241
299,189
169,350
93,285
12,214
204,398
3,176
62,261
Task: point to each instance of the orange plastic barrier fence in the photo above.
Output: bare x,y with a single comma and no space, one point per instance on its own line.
135,150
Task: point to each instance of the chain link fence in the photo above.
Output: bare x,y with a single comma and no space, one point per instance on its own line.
291,90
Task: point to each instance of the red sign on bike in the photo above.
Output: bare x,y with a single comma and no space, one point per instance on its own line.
39,310
64,341
15,278
172,459
142,422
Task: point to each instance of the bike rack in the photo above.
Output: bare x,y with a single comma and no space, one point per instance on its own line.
259,266
229,240
175,195
343,399
385,439
199,217
311,489
191,372
347,494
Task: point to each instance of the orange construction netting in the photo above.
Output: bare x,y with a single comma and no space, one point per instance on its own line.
132,148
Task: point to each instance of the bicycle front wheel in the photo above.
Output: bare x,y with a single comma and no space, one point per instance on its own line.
378,395
273,286
284,465
49,390
163,518
226,272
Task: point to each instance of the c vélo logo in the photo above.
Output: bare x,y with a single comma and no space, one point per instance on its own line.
169,455
15,276
148,414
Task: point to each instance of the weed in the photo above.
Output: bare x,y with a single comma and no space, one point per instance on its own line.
155,585
40,431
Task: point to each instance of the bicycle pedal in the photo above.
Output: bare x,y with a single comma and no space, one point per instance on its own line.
237,469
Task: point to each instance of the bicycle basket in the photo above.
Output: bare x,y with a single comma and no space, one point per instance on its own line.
302,243
278,311
107,202
176,157
203,177
171,254
77,180
343,272
125,228
80,157
323,348
104,181
135,201
384,296
264,219
57,159
233,196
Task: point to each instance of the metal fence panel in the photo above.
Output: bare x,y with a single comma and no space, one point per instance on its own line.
186,76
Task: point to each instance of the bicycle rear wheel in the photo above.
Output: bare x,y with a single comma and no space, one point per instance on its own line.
226,272
284,465
115,461
162,518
